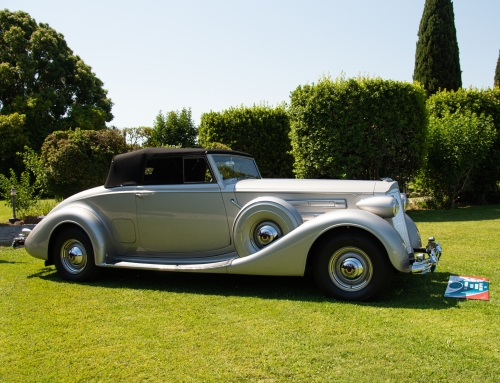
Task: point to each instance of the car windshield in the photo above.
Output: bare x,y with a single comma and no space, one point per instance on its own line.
236,168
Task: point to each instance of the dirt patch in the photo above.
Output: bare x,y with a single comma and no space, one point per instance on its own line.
31,220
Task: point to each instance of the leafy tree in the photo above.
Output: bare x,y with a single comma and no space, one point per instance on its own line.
458,143
358,128
216,145
259,130
77,160
136,138
437,62
173,129
497,73
12,140
42,80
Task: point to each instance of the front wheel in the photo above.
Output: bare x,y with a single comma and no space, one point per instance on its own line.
74,256
352,267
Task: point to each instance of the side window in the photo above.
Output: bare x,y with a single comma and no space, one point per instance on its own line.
163,171
176,170
196,170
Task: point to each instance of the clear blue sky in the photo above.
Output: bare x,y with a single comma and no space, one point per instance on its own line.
211,55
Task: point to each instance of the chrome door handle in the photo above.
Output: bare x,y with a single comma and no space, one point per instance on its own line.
140,195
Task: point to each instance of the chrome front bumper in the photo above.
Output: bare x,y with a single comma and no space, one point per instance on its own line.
18,242
426,259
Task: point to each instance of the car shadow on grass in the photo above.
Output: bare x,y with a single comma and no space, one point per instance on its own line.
405,291
9,262
425,291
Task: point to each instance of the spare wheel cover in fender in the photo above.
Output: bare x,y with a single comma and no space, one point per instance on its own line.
274,210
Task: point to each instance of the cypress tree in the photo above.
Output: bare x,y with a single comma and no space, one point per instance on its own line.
437,63
497,73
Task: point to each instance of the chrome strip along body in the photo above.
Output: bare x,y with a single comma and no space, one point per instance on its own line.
322,206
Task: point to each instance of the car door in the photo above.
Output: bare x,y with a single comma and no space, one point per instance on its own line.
180,207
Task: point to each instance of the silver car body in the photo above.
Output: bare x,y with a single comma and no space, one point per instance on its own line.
204,227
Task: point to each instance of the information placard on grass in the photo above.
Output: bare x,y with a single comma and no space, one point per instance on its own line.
468,288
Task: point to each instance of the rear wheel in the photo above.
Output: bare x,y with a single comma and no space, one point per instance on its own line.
74,256
352,267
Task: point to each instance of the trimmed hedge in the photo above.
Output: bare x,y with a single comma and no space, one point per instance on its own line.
485,177
78,160
259,130
358,128
458,142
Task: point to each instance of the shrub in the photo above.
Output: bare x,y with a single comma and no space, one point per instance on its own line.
78,160
26,192
260,130
458,142
216,145
485,176
40,208
358,128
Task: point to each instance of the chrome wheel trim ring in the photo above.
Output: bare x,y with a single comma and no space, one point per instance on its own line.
350,269
264,233
73,256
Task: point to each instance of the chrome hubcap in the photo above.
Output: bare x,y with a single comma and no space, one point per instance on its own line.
265,233
73,256
350,269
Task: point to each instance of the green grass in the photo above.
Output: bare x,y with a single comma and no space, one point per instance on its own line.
5,212
42,207
165,327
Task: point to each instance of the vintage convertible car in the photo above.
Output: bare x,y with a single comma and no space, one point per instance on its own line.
210,211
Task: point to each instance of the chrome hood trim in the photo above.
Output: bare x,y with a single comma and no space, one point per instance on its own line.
315,186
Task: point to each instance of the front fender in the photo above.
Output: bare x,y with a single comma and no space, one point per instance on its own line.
288,255
37,242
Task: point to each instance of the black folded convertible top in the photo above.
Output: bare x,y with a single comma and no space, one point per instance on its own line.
128,168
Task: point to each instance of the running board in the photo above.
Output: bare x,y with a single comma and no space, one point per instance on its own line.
171,267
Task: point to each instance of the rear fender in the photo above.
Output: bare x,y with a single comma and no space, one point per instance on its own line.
38,243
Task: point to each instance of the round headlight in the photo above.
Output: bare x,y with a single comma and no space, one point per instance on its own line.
384,206
395,207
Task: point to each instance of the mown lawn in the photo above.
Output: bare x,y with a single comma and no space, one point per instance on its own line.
5,211
42,207
165,327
